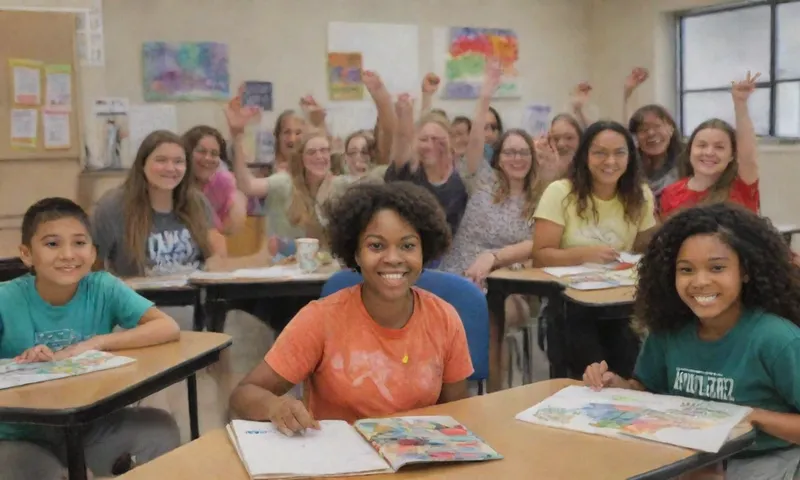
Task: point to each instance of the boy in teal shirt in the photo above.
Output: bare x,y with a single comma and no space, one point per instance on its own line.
62,309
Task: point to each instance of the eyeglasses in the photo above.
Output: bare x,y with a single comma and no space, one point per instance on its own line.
203,152
355,153
508,152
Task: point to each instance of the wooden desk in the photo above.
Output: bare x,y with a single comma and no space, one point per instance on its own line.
71,402
172,296
11,267
530,451
221,291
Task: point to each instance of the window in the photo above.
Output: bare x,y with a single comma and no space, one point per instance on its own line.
721,45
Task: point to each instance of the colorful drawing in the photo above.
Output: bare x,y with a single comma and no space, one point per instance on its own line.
185,71
697,424
468,51
344,76
604,279
13,374
406,440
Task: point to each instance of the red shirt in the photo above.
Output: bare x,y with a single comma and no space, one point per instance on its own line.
678,196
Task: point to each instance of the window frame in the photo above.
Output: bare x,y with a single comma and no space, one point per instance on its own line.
773,81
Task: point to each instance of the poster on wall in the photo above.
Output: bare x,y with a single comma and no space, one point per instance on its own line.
188,71
26,78
89,36
58,88
344,76
258,94
468,50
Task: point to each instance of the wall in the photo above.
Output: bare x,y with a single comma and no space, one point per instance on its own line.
629,33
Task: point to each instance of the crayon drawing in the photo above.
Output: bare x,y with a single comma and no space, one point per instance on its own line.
14,374
406,440
468,51
185,71
344,76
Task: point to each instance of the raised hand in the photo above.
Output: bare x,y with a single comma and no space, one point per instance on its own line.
492,77
742,89
637,77
403,107
371,80
430,84
313,110
580,95
239,116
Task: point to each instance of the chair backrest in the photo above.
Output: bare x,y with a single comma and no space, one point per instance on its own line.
468,300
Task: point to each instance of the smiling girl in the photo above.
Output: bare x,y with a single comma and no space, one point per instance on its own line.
721,163
721,303
156,223
375,349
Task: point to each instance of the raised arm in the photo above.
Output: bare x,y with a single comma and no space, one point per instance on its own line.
430,84
746,140
491,81
238,117
314,113
387,118
637,77
403,141
578,99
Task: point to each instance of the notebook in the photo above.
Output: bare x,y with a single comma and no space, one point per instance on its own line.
368,447
684,422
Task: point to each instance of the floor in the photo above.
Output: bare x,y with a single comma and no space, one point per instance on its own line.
251,340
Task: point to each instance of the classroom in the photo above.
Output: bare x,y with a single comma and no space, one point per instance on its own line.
272,226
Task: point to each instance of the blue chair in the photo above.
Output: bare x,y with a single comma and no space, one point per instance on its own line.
468,300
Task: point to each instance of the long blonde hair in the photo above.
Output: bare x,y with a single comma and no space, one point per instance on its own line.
187,202
302,210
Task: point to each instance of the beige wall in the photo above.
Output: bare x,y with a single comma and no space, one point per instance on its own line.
629,33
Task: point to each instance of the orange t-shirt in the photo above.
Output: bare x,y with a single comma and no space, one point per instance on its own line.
353,368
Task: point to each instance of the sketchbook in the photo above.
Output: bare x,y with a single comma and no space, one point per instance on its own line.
603,279
13,374
369,447
625,261
685,422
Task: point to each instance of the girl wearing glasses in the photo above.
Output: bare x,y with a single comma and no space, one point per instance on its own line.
603,207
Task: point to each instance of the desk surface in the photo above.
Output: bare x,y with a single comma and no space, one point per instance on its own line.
531,451
321,275
590,297
82,391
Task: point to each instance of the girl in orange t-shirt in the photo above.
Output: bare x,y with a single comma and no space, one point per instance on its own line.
720,163
376,349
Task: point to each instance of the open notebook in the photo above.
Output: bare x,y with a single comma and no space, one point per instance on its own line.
685,422
369,447
13,374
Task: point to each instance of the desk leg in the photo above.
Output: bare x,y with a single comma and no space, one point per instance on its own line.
556,341
76,462
497,317
199,317
191,387
216,311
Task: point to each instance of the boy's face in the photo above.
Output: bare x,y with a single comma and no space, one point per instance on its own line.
61,251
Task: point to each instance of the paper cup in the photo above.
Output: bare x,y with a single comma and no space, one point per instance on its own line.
307,249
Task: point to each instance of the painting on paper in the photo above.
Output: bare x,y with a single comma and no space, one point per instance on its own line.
468,51
185,71
344,76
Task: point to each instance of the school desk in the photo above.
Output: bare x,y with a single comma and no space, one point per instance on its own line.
172,296
220,291
530,451
607,303
11,268
72,402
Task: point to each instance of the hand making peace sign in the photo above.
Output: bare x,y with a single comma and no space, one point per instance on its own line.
742,89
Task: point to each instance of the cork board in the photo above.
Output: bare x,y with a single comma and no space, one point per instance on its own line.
49,39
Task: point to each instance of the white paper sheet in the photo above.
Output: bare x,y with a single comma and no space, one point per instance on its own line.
13,374
685,422
27,85
144,119
335,449
24,127
58,88
56,130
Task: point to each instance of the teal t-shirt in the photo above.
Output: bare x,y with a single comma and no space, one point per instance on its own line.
101,302
756,364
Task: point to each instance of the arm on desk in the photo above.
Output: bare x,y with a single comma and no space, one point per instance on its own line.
547,251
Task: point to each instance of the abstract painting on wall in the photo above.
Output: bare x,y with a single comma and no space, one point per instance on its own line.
186,71
468,51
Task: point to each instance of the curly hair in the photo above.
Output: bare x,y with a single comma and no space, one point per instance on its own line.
773,285
629,185
350,213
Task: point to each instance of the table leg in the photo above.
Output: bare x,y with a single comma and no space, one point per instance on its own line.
556,341
216,310
76,462
199,317
191,387
497,315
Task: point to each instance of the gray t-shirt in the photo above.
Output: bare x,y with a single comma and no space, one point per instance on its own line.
170,246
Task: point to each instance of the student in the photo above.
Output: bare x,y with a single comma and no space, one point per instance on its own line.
721,303
375,349
720,163
359,149
156,223
424,157
289,127
658,137
554,151
492,129
602,208
62,309
461,127
206,147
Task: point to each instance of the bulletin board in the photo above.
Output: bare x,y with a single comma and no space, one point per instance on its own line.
43,41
